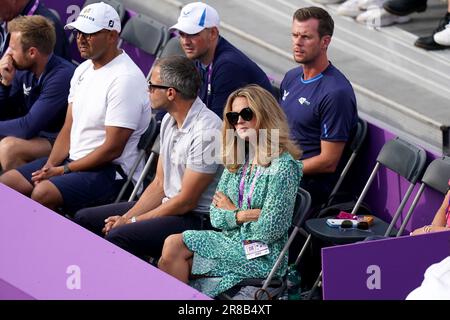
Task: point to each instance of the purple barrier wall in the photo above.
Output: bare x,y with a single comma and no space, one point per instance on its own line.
383,269
46,256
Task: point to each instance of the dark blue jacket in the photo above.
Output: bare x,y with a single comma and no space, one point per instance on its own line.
42,102
231,70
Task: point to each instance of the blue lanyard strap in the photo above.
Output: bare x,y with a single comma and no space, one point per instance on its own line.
33,8
242,187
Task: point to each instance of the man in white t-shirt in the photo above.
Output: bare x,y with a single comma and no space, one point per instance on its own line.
108,112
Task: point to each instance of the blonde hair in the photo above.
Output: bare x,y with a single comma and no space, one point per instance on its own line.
269,116
36,31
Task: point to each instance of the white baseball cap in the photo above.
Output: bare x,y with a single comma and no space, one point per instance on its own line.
95,17
195,17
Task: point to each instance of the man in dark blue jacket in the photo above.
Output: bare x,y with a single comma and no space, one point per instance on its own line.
222,66
34,83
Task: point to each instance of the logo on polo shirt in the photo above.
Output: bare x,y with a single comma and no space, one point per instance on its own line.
26,90
304,101
285,95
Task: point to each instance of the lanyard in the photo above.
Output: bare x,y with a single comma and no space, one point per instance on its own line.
447,215
33,8
3,37
242,187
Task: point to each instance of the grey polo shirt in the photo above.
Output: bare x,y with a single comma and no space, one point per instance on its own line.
194,146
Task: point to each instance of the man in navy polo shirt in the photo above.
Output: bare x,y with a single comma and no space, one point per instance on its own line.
319,103
222,66
36,83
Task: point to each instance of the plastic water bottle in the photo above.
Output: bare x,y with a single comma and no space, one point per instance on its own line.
293,283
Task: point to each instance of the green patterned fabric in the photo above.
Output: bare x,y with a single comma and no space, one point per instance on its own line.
221,254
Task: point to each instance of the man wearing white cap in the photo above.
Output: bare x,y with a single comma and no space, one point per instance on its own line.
107,113
223,67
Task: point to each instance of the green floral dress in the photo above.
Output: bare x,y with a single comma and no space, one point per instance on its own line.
220,255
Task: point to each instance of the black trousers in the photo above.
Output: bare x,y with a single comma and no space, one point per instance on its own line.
143,238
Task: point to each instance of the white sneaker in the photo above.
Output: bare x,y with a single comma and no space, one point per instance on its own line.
365,4
376,17
349,8
353,8
328,1
443,37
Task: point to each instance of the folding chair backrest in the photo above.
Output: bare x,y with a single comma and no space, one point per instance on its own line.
142,38
153,155
144,143
148,137
116,4
172,48
302,206
404,159
356,143
436,176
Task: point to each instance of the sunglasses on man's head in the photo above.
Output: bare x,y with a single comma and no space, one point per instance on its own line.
246,114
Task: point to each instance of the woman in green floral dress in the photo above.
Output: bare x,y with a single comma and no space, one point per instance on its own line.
253,204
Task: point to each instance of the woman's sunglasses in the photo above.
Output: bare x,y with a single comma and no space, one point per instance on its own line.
246,114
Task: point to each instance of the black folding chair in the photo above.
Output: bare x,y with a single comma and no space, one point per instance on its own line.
399,156
354,146
146,140
302,206
142,37
154,152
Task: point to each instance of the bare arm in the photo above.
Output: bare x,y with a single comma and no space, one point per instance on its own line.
439,221
327,161
192,187
115,141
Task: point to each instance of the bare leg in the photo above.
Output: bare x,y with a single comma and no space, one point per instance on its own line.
176,258
15,152
16,181
48,195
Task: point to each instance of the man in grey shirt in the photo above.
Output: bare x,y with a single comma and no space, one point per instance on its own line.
179,197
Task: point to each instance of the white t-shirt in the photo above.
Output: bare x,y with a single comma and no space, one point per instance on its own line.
436,283
113,95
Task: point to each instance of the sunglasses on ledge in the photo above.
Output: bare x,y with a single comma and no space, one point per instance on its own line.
362,225
246,114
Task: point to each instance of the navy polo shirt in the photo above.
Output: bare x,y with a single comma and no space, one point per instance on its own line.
42,102
231,70
321,108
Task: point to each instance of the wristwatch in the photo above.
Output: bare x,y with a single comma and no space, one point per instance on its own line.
67,169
